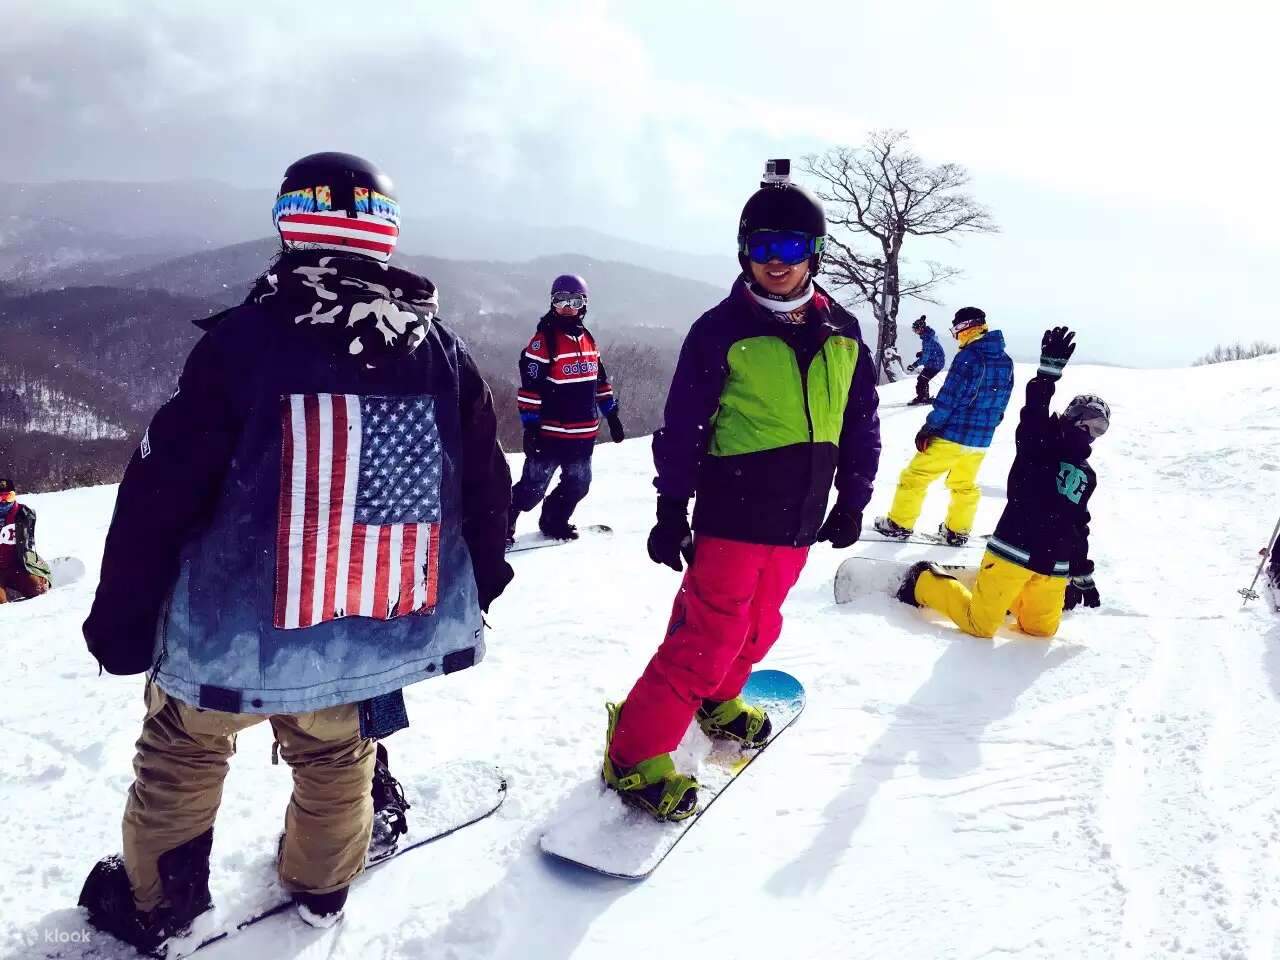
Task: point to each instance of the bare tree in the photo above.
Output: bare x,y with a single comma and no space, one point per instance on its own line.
1237,351
876,196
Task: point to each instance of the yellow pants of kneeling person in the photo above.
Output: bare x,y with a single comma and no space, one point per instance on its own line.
960,464
1002,587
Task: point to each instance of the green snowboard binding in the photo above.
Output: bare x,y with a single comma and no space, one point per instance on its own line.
735,720
652,785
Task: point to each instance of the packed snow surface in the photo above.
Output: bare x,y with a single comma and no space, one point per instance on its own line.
1109,794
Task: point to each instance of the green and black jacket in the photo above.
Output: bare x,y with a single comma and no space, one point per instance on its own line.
763,415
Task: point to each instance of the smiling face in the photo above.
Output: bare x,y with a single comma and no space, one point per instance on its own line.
779,278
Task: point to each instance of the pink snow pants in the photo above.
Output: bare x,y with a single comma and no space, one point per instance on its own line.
726,617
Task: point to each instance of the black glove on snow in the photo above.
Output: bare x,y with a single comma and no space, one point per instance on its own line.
1081,590
842,529
1056,347
615,427
533,439
671,538
922,439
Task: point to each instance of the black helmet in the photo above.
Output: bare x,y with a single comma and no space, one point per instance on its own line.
780,204
1090,413
337,201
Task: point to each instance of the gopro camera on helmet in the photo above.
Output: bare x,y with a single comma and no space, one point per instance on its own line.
776,172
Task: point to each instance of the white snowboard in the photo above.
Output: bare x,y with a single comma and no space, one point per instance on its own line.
860,577
65,570
538,539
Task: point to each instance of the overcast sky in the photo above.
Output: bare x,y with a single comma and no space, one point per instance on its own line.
1126,148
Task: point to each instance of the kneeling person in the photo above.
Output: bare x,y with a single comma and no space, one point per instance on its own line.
22,573
1037,563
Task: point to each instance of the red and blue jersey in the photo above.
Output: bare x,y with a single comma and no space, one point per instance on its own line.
563,385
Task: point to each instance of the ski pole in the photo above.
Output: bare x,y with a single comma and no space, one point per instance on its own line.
1249,593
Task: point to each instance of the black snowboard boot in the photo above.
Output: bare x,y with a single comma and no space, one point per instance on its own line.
558,529
184,877
389,806
950,537
907,589
887,528
321,909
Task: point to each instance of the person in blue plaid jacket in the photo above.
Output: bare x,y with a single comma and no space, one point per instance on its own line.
957,432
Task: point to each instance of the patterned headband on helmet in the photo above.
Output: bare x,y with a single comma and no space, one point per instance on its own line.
307,221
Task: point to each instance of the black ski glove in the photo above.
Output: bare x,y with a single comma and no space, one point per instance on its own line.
1081,590
842,528
533,439
671,538
491,582
1056,348
922,439
615,427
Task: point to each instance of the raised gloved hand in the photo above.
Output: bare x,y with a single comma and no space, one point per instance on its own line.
842,528
615,426
671,538
1056,347
923,438
1081,590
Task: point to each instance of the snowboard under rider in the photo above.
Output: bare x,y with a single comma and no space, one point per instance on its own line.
563,391
773,397
929,360
313,521
23,574
1037,562
957,432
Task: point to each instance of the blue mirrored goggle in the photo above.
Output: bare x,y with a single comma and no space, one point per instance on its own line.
788,246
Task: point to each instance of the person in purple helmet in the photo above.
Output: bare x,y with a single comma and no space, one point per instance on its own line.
563,392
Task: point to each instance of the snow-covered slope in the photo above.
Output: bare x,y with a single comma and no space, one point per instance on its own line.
1109,794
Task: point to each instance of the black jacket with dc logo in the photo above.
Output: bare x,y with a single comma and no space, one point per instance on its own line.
1045,527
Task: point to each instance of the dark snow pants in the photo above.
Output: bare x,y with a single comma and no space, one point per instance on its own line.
181,763
922,383
575,481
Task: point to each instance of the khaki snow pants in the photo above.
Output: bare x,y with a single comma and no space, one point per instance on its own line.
181,763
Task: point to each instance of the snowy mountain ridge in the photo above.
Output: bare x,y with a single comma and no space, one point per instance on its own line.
1109,794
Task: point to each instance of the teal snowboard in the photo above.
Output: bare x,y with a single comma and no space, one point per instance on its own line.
596,830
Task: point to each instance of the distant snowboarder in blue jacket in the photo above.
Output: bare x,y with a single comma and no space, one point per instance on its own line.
929,360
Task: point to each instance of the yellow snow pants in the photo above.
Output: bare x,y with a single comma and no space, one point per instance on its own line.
960,464
1002,587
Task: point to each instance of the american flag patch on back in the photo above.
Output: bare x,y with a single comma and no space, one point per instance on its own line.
359,514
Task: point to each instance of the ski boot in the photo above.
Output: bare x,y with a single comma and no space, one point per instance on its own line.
950,537
920,402
735,720
652,785
887,528
558,530
184,875
906,591
389,806
321,909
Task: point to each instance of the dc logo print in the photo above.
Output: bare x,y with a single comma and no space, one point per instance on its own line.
1072,482
8,535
